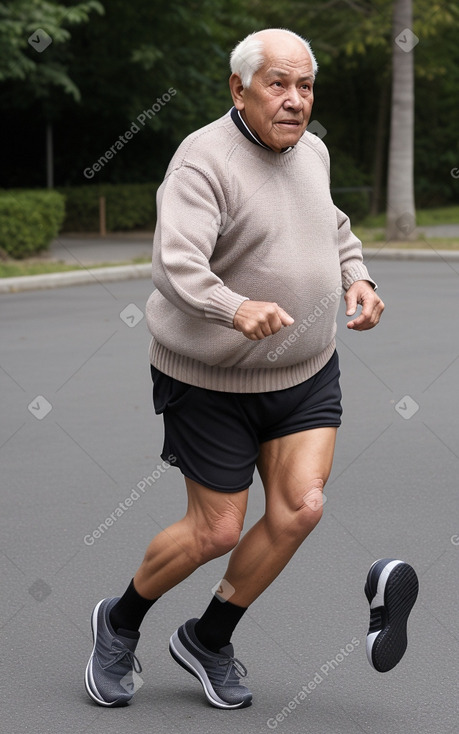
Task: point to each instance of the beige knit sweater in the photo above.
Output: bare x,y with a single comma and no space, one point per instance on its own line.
236,221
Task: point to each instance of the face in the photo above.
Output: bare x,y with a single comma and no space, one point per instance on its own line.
277,105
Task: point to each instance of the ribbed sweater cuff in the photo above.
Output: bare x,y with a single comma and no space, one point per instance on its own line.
222,305
355,272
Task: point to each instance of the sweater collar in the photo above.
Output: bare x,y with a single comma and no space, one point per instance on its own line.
241,125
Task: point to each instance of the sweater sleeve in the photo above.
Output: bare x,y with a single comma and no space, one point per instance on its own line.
190,212
350,253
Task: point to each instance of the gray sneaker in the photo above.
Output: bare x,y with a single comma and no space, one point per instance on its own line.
112,673
219,673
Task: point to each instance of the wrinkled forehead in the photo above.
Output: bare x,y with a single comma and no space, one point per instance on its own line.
284,54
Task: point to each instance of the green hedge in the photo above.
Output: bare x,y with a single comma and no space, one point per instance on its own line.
29,221
128,206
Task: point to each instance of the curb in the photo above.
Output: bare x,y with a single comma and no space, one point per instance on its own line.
74,277
129,272
371,253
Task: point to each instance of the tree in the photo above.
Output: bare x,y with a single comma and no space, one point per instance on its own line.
401,213
28,31
127,60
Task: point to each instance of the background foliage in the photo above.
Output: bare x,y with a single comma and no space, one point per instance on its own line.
29,220
110,61
128,206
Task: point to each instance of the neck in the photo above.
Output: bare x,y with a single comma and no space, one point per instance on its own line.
240,120
253,132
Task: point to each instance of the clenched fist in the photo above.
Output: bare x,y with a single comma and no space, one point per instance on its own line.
258,319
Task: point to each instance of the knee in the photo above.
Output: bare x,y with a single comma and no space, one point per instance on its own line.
308,510
218,537
312,502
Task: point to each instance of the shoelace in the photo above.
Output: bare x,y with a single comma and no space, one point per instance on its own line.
233,664
121,651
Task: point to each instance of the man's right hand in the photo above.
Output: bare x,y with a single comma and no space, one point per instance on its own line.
258,319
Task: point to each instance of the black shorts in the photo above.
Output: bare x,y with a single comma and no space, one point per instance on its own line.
215,436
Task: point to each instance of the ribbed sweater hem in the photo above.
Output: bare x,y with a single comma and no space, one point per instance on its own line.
233,379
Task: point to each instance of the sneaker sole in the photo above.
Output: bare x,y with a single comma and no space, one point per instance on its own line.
390,605
91,688
184,658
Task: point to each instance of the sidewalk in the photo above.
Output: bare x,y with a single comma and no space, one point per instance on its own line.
90,249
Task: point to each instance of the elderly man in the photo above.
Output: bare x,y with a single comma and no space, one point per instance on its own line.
250,257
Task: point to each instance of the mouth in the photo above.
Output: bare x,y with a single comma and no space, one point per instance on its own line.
289,124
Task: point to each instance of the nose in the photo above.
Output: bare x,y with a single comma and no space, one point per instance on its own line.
293,100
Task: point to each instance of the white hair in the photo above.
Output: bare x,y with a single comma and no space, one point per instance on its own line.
248,56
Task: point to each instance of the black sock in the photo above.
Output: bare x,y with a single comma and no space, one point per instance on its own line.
130,610
217,624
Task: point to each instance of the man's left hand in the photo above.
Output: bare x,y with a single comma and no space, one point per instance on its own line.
361,292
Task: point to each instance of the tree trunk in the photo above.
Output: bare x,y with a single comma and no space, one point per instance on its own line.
401,214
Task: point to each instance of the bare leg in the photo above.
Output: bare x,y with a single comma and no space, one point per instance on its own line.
210,528
294,470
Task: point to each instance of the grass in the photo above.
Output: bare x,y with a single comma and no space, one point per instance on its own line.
371,230
375,238
424,217
34,266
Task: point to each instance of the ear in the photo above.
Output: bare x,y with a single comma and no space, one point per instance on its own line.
237,91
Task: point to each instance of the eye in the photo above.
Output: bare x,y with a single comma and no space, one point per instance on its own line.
277,84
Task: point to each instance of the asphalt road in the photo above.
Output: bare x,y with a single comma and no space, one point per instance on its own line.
78,434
